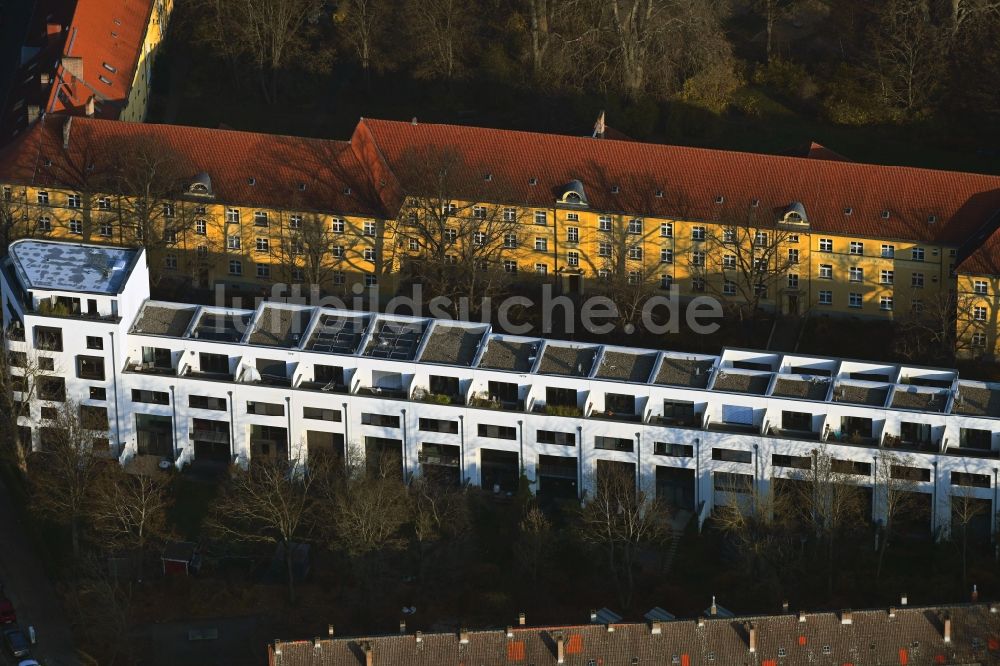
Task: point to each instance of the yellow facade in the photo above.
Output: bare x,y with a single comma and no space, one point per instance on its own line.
137,104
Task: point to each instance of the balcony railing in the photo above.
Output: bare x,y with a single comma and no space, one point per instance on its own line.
557,410
694,421
149,368
439,460
486,402
900,444
379,392
609,415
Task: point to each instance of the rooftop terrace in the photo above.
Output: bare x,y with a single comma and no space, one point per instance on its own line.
280,326
454,345
626,366
92,269
164,319
560,359
506,354
805,388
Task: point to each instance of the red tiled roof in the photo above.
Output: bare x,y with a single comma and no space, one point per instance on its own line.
818,151
107,35
981,256
279,165
692,178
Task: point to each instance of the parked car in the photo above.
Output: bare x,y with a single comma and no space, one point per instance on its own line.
28,662
16,642
7,614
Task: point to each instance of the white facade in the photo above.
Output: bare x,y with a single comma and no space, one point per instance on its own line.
191,383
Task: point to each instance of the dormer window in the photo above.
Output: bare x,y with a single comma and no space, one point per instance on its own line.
302,187
848,210
532,181
615,189
932,219
885,215
720,199
251,180
659,194
110,68
795,214
201,185
755,203
347,191
573,194
488,177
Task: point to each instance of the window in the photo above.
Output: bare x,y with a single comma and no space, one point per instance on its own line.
826,271
369,254
667,230
980,287
540,217
207,402
168,210
8,194
614,443
888,251
826,245
854,300
451,235
673,450
732,455
541,244
338,225
885,303
369,228
151,397
603,274
732,483
98,393
917,254
320,414
857,247
509,214
573,259
729,261
635,252
298,275
75,227
479,212
857,274
497,432
604,249
728,236
509,266
104,230
917,280
979,313
449,209
236,267
45,223
263,271
572,234
541,269
793,255
698,284
666,256
978,339
697,258
885,277
90,367
262,244
170,262
760,239
793,281
825,297
510,240
43,198
339,277
698,233
916,306
337,251
104,203
635,226
729,288
294,221
792,238
266,408
604,223
371,280
233,242
413,244
634,277
200,227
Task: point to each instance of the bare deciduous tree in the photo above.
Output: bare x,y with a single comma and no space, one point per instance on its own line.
966,510
896,495
20,373
271,501
364,26
621,521
440,36
534,543
630,277
907,50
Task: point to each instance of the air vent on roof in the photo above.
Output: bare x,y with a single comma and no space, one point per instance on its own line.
104,79
615,189
302,187
252,180
755,203
659,193
932,219
848,210
110,68
720,199
885,215
114,34
488,176
347,190
118,21
48,162
532,181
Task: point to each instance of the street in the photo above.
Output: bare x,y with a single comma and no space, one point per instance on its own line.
31,592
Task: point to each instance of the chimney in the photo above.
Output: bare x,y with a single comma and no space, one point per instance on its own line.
599,127
593,615
701,621
89,108
402,626
463,636
994,608
43,78
414,121
902,599
329,630
611,628
67,127
366,647
784,606
521,619
713,609
73,65
419,637
892,612
975,594
316,644
560,649
656,628
510,632
947,629
846,618
802,616
752,638
33,112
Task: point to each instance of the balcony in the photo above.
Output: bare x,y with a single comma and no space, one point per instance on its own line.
385,393
495,403
149,368
325,387
557,410
612,415
741,428
970,452
898,443
786,433
693,421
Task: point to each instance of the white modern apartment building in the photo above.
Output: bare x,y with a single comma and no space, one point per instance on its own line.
196,384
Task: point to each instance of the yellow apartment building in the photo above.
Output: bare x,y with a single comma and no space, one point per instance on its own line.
792,234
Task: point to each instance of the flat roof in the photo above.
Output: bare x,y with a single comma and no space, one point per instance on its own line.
56,266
